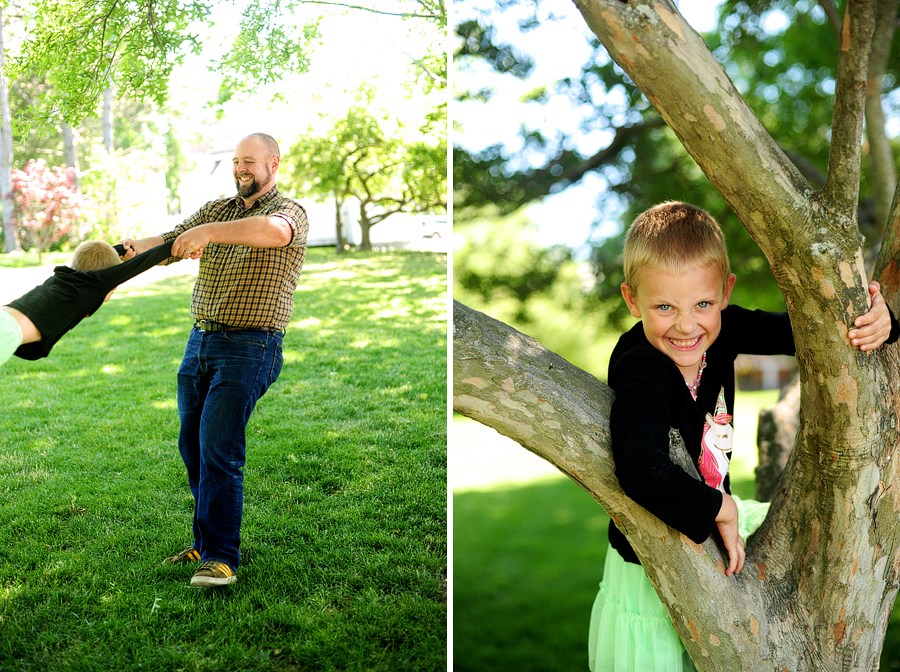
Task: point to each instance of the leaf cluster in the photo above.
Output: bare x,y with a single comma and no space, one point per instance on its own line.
81,48
266,47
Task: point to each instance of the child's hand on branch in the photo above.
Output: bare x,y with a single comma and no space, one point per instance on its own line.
873,328
727,522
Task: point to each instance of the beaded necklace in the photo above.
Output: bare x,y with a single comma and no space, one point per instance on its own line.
693,388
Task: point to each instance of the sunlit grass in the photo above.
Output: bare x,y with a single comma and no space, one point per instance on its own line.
344,532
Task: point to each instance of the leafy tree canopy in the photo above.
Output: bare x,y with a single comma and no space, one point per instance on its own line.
781,55
82,47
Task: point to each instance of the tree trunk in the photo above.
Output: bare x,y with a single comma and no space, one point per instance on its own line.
823,570
365,242
70,152
339,223
883,174
6,199
107,120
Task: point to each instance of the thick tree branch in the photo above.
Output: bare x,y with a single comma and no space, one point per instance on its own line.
842,189
666,58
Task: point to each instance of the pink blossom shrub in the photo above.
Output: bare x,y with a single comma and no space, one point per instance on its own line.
47,204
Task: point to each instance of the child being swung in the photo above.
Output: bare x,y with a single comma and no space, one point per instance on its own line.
32,324
675,369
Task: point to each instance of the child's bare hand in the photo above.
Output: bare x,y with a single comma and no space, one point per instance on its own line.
727,522
873,328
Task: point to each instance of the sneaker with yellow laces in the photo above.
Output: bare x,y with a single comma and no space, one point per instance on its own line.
190,554
213,573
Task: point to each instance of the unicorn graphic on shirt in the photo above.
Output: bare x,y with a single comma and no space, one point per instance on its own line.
716,445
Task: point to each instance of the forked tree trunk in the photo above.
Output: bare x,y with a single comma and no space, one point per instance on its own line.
823,570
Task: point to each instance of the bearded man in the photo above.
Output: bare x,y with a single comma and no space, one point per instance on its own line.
251,249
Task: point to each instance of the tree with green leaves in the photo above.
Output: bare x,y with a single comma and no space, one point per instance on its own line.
76,52
822,573
82,48
373,161
72,55
390,157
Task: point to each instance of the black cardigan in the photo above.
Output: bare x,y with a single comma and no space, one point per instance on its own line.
651,398
69,296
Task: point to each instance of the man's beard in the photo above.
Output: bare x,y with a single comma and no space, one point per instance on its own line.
252,187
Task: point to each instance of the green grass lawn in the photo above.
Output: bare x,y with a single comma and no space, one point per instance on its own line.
345,522
30,259
527,560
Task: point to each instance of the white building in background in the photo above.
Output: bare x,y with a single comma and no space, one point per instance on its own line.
211,178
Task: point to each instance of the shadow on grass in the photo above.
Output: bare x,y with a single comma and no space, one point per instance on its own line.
527,561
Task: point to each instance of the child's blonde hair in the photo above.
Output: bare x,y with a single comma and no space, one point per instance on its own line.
94,255
674,237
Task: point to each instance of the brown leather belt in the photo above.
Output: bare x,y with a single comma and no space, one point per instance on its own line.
207,325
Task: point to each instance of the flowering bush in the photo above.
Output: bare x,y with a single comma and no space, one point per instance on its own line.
47,204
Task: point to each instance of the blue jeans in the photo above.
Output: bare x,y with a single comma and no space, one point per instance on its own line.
222,376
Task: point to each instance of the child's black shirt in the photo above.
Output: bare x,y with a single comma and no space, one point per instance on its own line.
69,296
651,398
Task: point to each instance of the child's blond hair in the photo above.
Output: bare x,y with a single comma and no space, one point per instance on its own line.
674,237
94,255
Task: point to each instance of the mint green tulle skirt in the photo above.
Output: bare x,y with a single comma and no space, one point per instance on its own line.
630,629
10,336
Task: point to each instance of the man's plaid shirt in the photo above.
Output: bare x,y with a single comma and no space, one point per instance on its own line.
246,286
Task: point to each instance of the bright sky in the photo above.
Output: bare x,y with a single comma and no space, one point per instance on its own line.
356,46
567,217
